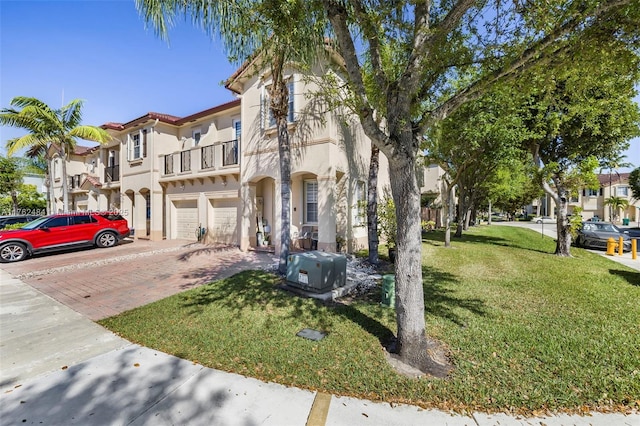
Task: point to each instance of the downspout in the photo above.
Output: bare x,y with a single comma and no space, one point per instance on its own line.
151,143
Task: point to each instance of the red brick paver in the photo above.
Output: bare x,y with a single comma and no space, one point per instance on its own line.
106,282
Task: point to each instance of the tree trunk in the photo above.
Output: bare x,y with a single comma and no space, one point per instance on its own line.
489,212
412,344
279,105
563,242
14,201
449,216
372,205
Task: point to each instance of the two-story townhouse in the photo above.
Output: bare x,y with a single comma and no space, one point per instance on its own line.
178,175
330,158
81,168
434,192
594,201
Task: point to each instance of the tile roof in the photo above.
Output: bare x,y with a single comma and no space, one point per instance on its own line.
614,178
171,119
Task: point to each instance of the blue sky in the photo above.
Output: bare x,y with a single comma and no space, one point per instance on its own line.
100,51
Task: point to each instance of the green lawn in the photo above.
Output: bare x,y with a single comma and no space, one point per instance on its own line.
526,331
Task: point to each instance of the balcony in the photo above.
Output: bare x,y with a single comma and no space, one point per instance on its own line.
112,173
218,159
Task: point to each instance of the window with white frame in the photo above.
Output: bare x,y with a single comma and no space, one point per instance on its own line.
622,191
360,207
267,118
135,152
591,192
310,201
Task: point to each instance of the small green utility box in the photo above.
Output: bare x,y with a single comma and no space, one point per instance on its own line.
389,291
317,271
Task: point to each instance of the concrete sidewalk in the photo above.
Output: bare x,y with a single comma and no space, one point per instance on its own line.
60,368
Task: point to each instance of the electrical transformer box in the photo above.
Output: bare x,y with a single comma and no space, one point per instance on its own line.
317,271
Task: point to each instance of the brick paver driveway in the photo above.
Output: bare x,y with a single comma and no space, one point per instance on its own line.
99,283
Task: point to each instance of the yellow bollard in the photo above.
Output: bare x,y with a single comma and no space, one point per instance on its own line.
611,246
620,246
634,249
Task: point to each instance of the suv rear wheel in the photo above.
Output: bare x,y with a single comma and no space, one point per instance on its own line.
12,252
106,239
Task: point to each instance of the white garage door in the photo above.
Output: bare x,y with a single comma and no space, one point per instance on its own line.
186,219
225,221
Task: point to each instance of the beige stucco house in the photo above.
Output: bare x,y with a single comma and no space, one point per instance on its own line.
593,201
215,174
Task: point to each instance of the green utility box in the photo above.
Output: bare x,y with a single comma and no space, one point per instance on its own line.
389,291
317,271
625,221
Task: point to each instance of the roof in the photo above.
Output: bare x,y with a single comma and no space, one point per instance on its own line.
233,83
613,178
171,119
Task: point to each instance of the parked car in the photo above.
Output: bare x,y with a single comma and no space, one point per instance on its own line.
11,220
543,219
62,231
596,234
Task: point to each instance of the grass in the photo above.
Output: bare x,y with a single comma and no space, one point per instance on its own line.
527,331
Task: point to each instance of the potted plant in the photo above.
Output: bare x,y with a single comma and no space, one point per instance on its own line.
387,226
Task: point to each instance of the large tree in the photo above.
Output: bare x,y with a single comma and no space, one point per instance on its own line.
275,35
580,113
425,60
56,129
428,59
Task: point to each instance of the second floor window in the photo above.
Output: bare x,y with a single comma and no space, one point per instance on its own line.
138,145
267,118
622,191
591,192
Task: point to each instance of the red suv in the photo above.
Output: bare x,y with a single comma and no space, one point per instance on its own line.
62,231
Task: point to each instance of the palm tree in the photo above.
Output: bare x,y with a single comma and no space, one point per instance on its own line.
615,204
49,129
274,34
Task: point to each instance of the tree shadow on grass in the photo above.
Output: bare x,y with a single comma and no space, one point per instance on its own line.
440,298
632,278
259,289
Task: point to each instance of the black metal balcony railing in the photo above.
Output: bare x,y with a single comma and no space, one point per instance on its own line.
230,153
168,164
206,153
185,161
112,173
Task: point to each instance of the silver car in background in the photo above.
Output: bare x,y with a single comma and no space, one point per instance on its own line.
596,234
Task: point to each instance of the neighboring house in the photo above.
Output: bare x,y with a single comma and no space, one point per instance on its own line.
37,180
80,166
592,201
215,174
433,190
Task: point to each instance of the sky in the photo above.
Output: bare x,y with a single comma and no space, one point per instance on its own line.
102,52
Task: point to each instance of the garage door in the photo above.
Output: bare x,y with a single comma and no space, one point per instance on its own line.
186,219
225,221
